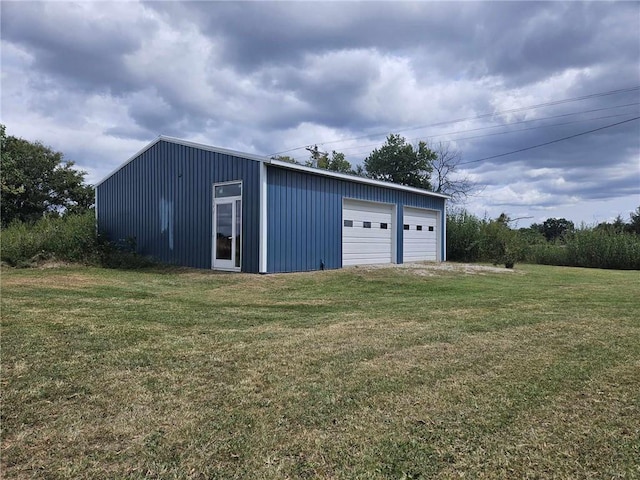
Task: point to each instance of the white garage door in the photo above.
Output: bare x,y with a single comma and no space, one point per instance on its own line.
366,233
420,235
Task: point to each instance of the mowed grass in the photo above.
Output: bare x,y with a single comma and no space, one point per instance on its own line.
338,374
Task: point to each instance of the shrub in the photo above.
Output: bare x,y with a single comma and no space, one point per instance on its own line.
548,254
500,244
464,236
123,254
69,238
602,249
595,248
470,239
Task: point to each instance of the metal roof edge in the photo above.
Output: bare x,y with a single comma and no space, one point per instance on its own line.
186,143
271,161
128,161
210,148
354,178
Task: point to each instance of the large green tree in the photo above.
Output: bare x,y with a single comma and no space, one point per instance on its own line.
554,228
634,222
35,180
334,163
400,162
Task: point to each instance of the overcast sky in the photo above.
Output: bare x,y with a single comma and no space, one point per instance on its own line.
98,81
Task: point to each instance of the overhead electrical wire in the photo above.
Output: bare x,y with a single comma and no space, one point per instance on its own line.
476,117
505,132
520,122
540,126
548,143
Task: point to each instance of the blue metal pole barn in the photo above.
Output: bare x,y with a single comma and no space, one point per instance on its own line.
205,207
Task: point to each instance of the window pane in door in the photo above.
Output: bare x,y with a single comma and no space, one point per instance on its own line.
223,231
238,230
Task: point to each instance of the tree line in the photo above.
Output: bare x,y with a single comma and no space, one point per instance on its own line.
556,241
430,167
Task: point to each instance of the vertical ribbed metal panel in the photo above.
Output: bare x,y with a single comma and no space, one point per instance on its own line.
304,226
164,199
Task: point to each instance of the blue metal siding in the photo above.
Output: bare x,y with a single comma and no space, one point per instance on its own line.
304,226
164,199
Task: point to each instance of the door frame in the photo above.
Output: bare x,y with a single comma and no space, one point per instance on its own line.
217,265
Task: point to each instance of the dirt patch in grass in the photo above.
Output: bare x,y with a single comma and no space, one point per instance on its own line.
62,280
432,269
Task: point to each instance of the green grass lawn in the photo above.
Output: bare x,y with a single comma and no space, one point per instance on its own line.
381,373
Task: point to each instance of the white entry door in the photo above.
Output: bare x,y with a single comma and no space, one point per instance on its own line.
227,226
419,235
367,233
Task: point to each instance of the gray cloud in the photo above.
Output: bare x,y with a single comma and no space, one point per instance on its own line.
521,41
85,52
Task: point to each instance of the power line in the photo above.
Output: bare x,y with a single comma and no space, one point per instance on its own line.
510,131
546,143
549,143
541,126
476,117
519,122
510,124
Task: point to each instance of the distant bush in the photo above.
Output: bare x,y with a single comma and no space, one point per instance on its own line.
548,254
470,239
595,248
68,238
500,244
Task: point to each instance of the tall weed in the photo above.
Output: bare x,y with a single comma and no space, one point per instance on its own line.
600,249
591,248
464,237
70,238
470,239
